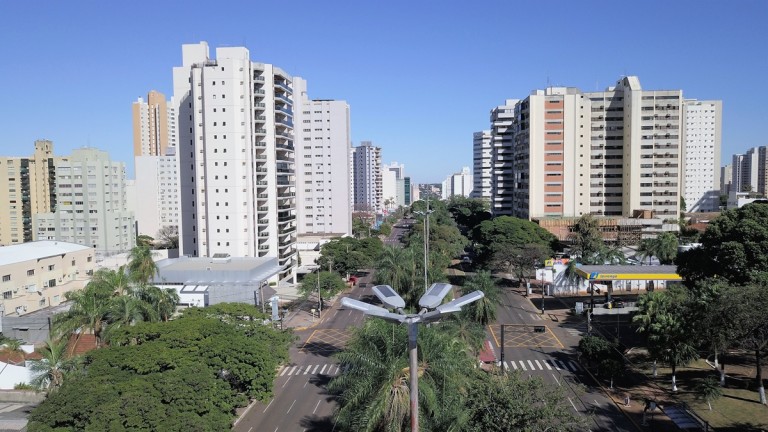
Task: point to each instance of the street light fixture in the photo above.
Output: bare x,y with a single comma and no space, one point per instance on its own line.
430,300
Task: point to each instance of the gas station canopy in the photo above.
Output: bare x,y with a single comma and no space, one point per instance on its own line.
628,272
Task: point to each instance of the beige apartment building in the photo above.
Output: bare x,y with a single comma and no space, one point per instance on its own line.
610,153
154,125
37,274
27,185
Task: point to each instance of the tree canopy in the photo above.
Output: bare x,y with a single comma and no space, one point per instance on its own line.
506,233
189,374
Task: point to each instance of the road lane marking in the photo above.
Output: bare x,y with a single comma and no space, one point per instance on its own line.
286,381
250,429
574,406
538,364
555,336
270,404
557,364
313,370
532,367
318,404
556,380
306,371
292,370
323,369
514,366
546,363
523,365
285,369
291,407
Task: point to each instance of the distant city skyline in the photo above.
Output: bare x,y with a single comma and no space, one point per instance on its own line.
419,79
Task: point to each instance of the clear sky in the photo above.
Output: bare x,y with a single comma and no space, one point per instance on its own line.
420,76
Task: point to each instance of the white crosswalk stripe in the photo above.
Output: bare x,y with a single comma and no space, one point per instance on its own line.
321,369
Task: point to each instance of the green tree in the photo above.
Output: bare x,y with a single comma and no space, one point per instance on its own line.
144,241
141,266
520,261
594,349
482,311
168,237
506,233
468,212
373,388
347,254
661,314
403,270
709,391
587,240
612,368
49,372
666,247
157,303
87,313
116,281
734,246
512,403
329,284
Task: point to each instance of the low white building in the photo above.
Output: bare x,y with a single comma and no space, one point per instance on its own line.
206,281
35,276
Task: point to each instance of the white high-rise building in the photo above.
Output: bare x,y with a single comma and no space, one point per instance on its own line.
236,157
482,158
323,175
502,181
726,176
392,184
702,130
458,184
156,192
366,168
91,208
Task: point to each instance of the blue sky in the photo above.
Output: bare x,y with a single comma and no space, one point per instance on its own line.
420,76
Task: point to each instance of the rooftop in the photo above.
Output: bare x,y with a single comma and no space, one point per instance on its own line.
37,250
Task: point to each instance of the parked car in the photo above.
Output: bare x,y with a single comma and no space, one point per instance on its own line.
618,303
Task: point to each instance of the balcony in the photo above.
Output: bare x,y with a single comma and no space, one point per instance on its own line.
286,219
260,144
260,132
284,122
284,109
281,85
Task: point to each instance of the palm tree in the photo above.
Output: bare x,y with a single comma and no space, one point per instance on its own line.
466,331
124,311
646,249
399,268
158,303
666,247
48,373
87,314
115,280
709,390
141,266
649,306
373,388
13,348
482,311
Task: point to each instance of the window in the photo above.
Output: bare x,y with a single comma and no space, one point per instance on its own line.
7,295
51,267
6,278
31,272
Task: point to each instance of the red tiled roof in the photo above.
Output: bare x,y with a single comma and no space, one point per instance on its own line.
83,344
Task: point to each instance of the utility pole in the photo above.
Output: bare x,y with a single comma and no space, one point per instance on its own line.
503,366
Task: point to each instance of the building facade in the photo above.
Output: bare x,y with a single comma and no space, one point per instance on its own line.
27,187
154,125
502,181
748,171
367,173
36,275
156,193
393,186
702,136
726,175
458,184
236,157
564,153
482,157
92,204
323,172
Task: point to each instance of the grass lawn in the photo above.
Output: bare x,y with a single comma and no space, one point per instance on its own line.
737,410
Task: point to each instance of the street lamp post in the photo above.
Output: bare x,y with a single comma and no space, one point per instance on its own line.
432,299
426,241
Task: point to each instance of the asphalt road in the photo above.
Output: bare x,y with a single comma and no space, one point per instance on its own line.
301,402
551,355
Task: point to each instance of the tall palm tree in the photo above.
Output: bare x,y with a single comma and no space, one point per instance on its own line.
48,373
399,268
141,266
482,311
373,389
467,331
87,313
157,303
647,249
666,247
115,280
124,311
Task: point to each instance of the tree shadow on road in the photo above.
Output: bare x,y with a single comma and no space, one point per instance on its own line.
315,423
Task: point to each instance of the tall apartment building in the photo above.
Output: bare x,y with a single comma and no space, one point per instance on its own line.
393,185
748,171
458,184
91,204
156,192
502,181
726,175
701,154
564,153
366,169
236,156
154,125
482,155
27,187
323,177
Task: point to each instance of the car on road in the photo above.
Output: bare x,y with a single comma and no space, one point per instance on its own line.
618,303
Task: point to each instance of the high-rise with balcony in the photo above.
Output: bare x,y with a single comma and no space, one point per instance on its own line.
482,157
27,187
366,169
91,204
323,176
154,125
502,181
563,153
236,156
702,129
457,184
